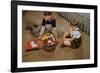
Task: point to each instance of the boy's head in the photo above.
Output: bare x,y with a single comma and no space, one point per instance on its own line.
47,15
74,24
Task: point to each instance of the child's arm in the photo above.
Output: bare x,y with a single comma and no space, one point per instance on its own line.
43,27
71,39
43,22
42,30
66,34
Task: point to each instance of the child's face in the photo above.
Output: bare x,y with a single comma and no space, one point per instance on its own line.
73,28
47,17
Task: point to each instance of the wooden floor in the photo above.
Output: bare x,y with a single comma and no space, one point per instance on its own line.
83,52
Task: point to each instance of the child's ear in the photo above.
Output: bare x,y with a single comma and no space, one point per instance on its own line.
53,17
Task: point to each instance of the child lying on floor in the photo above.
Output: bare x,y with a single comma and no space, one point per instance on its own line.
73,39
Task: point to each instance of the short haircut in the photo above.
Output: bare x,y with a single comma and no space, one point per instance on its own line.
45,13
74,23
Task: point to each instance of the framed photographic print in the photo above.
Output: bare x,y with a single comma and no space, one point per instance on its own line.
52,36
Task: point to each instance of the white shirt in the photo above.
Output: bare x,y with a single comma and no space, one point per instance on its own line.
76,33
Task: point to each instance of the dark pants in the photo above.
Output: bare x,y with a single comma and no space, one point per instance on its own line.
76,43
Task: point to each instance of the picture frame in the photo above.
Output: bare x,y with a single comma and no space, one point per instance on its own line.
16,31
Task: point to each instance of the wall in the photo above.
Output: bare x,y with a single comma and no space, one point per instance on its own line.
82,19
